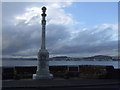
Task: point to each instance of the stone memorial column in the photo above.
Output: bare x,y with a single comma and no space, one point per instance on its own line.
43,55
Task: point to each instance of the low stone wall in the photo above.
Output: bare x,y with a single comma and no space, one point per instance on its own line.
84,71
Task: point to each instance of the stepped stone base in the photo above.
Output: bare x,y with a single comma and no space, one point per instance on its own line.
50,76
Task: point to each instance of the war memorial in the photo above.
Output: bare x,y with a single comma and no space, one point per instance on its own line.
45,80
43,54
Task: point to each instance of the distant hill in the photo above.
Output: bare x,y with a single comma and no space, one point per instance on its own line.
19,58
60,58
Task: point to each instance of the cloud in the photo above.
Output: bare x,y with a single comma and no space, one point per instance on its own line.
22,37
25,33
98,40
55,15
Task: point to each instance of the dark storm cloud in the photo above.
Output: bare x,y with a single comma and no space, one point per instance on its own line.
90,41
22,37
79,49
56,34
17,39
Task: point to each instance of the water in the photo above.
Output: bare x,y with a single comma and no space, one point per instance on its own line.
13,63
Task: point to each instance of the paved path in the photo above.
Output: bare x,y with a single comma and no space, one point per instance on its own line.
55,83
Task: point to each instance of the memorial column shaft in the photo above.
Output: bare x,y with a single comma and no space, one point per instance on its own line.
43,44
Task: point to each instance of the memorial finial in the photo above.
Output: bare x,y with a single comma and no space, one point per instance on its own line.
44,10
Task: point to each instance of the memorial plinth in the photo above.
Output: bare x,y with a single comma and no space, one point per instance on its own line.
43,55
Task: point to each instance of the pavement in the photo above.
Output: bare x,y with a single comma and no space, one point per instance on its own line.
58,83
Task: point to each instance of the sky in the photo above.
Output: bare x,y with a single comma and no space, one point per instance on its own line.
73,29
